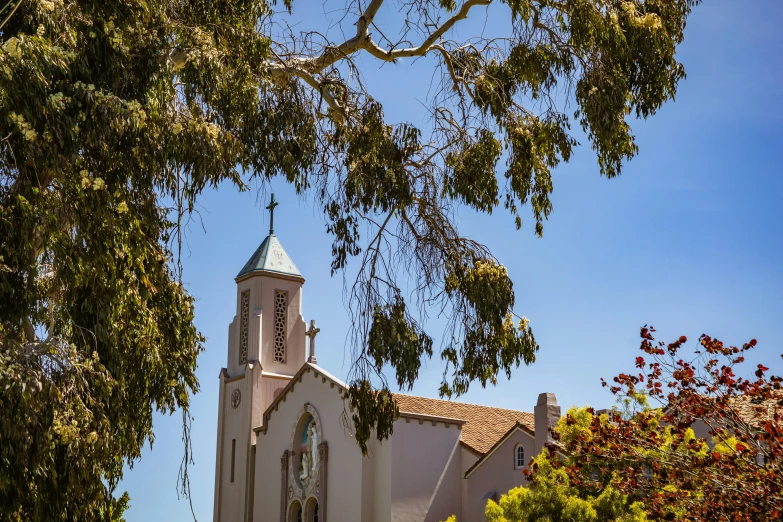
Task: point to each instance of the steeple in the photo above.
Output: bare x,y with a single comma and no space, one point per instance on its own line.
268,328
266,348
270,256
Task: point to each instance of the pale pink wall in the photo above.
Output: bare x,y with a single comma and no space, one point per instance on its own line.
702,431
268,386
261,325
235,426
496,473
295,349
219,451
425,471
467,459
232,361
345,466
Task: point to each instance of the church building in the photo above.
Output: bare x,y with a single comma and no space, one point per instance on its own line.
284,453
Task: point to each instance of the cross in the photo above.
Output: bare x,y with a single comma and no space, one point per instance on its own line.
311,333
271,209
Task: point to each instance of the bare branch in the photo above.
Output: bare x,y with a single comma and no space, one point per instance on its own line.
391,55
280,70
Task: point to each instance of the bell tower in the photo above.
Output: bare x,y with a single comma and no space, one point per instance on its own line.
266,347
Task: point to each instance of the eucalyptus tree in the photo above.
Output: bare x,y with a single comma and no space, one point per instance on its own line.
115,116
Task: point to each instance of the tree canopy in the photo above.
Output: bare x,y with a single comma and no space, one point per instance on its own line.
550,496
115,116
710,451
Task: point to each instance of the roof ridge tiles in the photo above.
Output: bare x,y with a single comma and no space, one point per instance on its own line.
449,401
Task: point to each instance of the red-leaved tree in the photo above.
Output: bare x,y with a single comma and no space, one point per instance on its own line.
711,451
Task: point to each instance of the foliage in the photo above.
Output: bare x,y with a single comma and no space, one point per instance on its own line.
710,452
96,331
116,509
115,116
550,496
495,100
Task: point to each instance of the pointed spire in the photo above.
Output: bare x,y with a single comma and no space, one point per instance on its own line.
270,256
271,209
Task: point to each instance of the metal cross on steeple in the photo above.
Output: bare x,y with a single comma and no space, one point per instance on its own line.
311,333
271,209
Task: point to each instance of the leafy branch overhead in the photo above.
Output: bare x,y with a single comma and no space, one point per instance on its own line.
498,98
115,116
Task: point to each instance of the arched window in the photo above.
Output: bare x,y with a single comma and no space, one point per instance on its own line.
519,457
312,510
295,512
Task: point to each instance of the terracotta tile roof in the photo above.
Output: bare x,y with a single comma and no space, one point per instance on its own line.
756,412
484,425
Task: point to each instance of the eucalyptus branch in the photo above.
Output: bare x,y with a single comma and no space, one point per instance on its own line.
281,70
427,44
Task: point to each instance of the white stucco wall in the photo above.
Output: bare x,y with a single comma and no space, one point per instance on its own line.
381,457
496,473
425,471
345,467
368,488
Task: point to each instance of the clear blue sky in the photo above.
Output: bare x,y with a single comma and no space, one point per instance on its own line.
688,239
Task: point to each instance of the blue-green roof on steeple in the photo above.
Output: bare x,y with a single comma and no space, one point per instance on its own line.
270,256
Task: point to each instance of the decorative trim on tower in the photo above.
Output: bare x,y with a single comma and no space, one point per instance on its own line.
244,320
281,311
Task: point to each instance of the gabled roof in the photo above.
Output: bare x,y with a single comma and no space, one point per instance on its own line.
271,257
516,427
306,368
498,443
484,425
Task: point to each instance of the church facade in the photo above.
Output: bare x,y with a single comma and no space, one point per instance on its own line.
286,454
